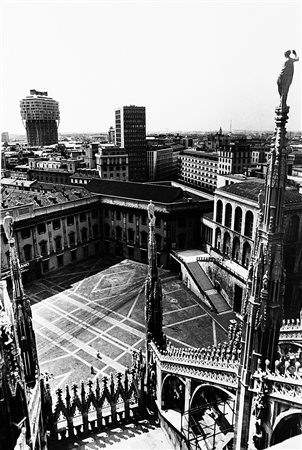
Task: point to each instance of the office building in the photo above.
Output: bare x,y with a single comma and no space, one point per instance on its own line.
4,136
112,163
40,116
130,134
198,169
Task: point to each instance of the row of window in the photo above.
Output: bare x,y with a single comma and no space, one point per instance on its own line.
27,249
117,215
56,224
117,233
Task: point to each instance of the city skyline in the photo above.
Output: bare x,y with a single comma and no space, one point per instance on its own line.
193,65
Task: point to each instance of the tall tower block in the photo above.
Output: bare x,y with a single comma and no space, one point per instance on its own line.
40,115
130,133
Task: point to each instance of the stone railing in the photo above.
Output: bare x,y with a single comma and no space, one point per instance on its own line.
216,364
291,330
285,382
96,406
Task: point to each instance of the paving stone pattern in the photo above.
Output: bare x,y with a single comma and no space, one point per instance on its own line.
98,307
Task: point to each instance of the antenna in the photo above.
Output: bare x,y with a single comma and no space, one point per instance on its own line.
231,126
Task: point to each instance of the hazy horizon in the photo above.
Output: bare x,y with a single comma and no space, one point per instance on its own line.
194,65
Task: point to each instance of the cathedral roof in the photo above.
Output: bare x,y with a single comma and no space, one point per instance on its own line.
139,191
250,190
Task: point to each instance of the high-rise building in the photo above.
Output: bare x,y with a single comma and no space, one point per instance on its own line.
130,133
4,136
40,115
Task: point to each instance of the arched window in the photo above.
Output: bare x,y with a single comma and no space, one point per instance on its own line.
43,248
228,215
218,239
236,249
246,255
130,235
27,252
226,244
249,222
118,231
71,238
219,211
292,232
238,219
84,234
58,242
144,238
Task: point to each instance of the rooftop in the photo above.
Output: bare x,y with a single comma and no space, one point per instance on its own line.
251,189
12,197
145,191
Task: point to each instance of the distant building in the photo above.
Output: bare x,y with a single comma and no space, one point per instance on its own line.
111,135
130,134
198,169
4,136
112,163
234,157
54,226
40,115
162,163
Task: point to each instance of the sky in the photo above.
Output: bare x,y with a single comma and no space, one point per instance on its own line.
194,65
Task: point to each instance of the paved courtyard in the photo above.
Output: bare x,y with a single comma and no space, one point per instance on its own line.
97,306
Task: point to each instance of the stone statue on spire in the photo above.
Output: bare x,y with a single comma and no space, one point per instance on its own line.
286,76
151,214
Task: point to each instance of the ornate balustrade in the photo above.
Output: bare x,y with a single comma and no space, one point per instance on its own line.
291,330
285,382
216,364
95,406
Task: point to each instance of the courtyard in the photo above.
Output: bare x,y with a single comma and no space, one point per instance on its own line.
89,318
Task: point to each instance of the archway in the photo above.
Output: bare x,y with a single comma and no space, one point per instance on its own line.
212,415
287,425
173,393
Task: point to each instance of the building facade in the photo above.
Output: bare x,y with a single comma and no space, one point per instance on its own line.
40,115
130,134
230,235
112,163
234,157
162,164
198,169
53,228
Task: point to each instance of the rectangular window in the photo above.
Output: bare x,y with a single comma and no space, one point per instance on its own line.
60,261
43,248
130,217
118,215
83,217
56,224
85,250
45,266
94,213
41,228
73,255
70,220
25,233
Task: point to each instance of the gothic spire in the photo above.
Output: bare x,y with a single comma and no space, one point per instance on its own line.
153,289
21,309
263,305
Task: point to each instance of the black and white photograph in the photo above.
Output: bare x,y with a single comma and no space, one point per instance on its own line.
151,225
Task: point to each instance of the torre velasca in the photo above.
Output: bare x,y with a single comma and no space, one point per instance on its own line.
40,115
